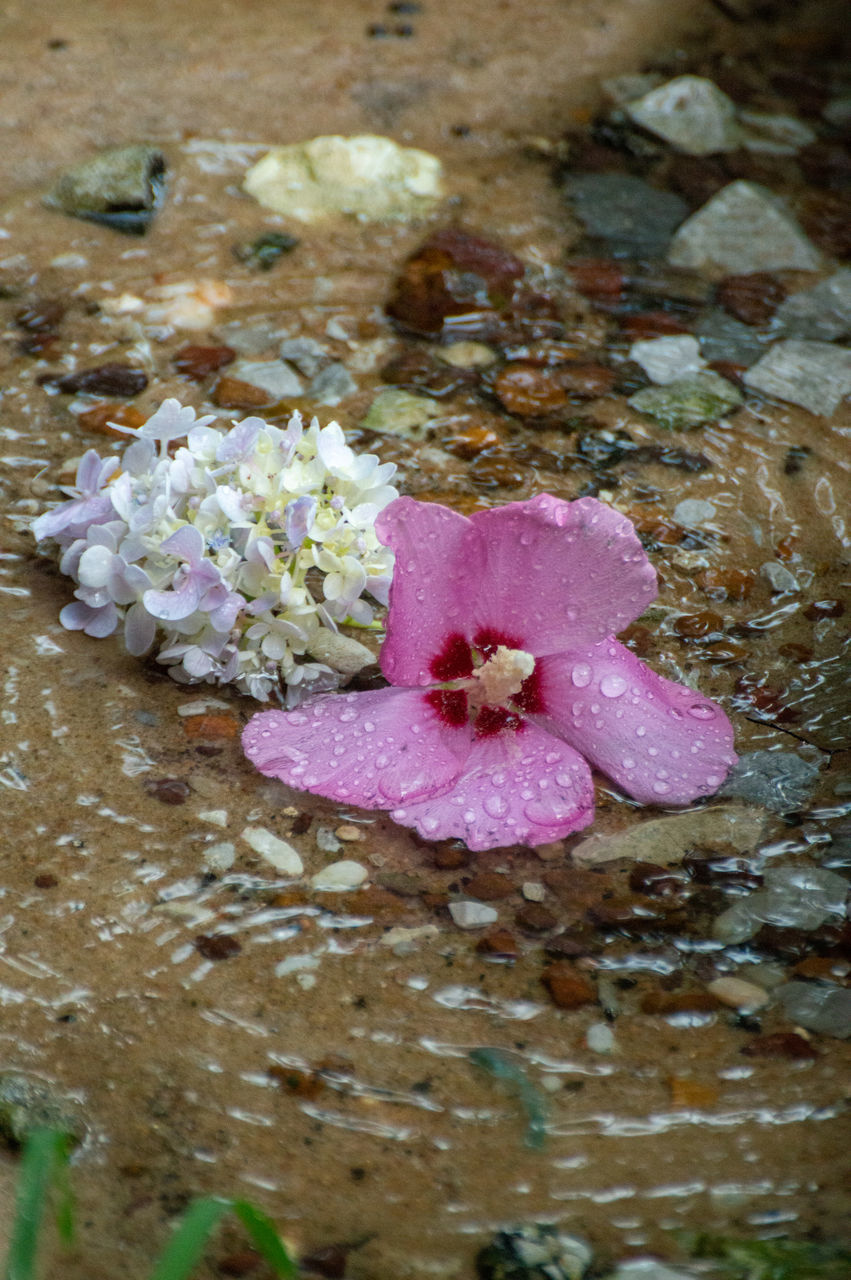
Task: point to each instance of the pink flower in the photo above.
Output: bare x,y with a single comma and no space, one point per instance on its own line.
506,683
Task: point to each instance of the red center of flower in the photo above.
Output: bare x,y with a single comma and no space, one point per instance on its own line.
459,660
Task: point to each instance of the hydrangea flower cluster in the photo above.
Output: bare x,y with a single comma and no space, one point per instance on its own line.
240,552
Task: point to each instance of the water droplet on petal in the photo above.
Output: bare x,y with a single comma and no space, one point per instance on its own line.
640,731
612,686
495,806
628,762
581,675
701,712
660,788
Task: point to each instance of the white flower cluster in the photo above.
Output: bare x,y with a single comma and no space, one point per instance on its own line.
239,553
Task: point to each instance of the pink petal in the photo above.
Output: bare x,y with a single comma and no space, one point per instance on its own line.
439,562
661,742
372,749
561,574
523,787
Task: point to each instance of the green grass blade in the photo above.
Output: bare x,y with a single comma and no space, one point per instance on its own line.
44,1159
268,1242
186,1246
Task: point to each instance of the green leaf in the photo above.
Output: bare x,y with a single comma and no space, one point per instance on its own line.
44,1162
186,1246
263,1233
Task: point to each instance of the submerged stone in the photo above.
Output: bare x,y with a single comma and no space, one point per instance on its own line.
688,402
793,897
28,1103
691,113
122,188
401,413
744,228
275,377
365,175
666,841
774,135
667,359
308,355
815,375
635,219
823,1007
781,781
822,313
538,1251
724,338
262,254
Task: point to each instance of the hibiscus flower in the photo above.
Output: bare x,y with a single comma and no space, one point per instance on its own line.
506,683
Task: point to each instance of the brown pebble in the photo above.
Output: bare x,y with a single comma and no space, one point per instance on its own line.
780,1044
211,726
330,1262
535,918
597,277
45,880
667,1002
168,790
217,946
105,380
420,370
827,968
826,218
651,324
698,626
240,1263
198,362
725,651
796,652
43,316
470,443
529,391
572,945
233,393
752,298
498,942
649,877
824,609
490,886
496,470
304,1084
101,417
449,855
569,988
691,1093
586,380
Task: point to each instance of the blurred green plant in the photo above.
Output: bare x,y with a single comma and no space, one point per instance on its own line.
773,1259
44,1176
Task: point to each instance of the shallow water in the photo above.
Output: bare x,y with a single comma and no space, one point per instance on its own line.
322,1065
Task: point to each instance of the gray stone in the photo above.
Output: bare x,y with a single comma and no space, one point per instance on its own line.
664,360
28,1103
823,1007
693,511
308,355
691,113
472,915
815,375
273,376
633,218
332,384
688,402
774,135
122,187
822,313
778,577
249,339
722,337
666,840
794,897
537,1251
778,780
648,1269
340,876
742,229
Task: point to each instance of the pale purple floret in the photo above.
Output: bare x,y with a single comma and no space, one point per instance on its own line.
508,683
90,505
198,585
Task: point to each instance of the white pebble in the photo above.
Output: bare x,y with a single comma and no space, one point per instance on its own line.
600,1038
216,817
281,855
295,964
340,875
693,511
665,360
779,577
533,892
220,857
472,915
201,706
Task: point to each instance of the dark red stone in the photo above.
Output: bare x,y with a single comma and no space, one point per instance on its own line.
752,298
106,380
168,790
217,946
197,361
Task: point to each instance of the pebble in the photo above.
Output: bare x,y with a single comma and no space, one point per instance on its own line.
215,817
533,891
793,897
780,781
105,380
568,986
308,355
401,413
633,218
217,946
365,175
691,113
275,377
28,1103
498,942
338,876
781,1044
198,362
200,706
752,298
666,840
743,228
815,375
647,1269
666,359
722,337
107,418
467,355
823,1007
688,402
233,393
822,312
738,994
343,653
326,840
219,857
538,1251
262,254
778,577
168,790
534,917
600,1038
694,511
121,187
281,855
490,886
349,832
331,385
472,915
774,135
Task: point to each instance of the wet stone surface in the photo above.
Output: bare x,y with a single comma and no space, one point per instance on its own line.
248,990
